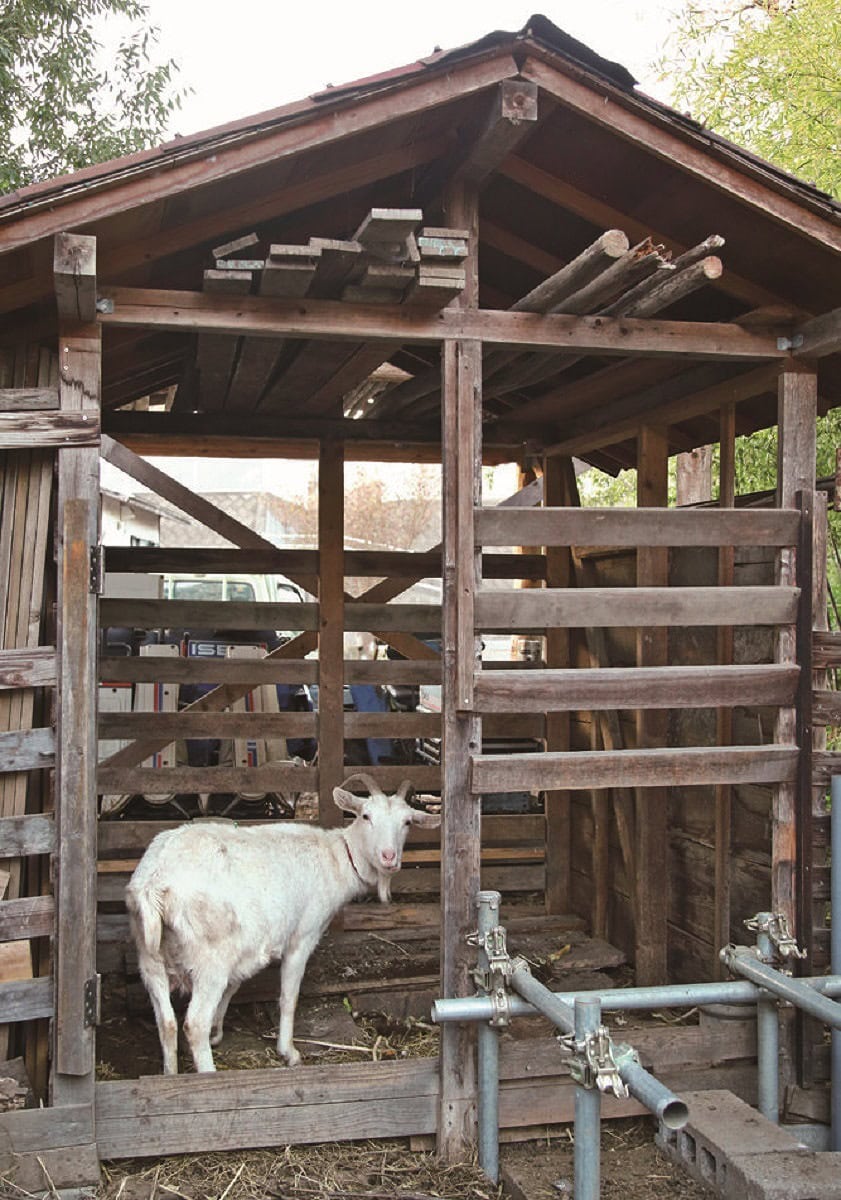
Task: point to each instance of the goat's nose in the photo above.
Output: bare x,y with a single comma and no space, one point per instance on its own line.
389,856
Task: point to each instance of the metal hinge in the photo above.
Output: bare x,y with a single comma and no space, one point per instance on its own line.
97,583
93,1000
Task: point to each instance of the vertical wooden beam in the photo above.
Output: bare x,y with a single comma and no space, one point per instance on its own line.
693,478
651,825
331,625
796,420
559,490
724,716
80,358
461,730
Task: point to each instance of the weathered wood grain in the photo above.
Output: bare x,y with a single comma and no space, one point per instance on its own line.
34,667
33,834
27,749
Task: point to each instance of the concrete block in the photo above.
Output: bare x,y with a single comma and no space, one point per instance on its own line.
785,1175
722,1128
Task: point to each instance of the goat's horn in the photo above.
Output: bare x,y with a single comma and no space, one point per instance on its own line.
406,790
373,787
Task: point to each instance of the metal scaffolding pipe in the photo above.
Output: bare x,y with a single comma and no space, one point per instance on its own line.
656,1097
795,991
587,1018
488,1051
546,1002
738,991
767,1042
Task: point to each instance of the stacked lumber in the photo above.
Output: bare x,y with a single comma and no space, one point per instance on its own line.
391,259
608,278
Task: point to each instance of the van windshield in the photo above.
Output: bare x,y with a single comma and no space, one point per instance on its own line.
197,589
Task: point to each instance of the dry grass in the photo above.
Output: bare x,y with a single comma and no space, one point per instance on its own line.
335,1171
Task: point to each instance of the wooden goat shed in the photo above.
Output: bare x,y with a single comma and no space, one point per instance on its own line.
502,253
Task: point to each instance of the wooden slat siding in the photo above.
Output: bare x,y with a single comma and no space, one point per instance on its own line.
44,429
20,836
632,527
684,767
724,715
32,1130
26,1000
826,707
331,320
331,624
461,369
796,418
27,749
130,837
236,614
28,399
28,668
642,606
559,487
825,764
635,687
142,1118
395,564
34,916
80,366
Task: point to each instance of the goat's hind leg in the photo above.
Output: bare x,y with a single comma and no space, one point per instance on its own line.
217,1027
208,991
154,975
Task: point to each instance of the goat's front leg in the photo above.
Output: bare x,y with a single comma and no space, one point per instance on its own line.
291,973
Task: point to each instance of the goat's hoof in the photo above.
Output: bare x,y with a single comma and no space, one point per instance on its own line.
293,1057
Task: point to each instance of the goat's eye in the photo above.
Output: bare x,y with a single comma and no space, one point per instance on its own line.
366,816
408,822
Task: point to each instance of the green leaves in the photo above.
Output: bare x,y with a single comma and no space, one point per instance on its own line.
66,102
767,74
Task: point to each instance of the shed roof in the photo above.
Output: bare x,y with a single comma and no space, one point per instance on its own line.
600,155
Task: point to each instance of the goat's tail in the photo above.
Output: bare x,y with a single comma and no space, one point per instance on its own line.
145,920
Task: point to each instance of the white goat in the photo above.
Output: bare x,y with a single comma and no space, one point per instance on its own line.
211,904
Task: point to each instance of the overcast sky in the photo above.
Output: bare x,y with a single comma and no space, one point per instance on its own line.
242,58
251,55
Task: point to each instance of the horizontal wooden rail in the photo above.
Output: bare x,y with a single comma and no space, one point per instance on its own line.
258,316
33,916
234,614
636,527
372,564
680,767
127,837
19,836
634,687
27,749
42,429
28,668
581,608
270,777
207,724
826,707
26,1000
142,669
28,399
825,764
826,649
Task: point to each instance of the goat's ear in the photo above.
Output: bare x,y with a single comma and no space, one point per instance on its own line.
427,819
347,801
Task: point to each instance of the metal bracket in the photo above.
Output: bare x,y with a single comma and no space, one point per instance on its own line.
790,343
104,305
593,1062
776,926
97,576
494,978
93,1000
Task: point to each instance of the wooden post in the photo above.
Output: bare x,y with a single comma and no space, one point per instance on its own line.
796,420
724,716
559,489
694,476
461,730
651,826
331,626
80,357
